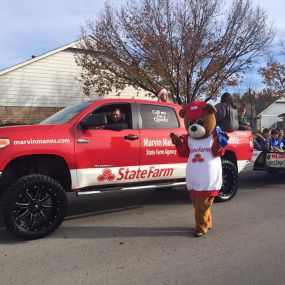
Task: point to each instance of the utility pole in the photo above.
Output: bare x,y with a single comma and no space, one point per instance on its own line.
251,98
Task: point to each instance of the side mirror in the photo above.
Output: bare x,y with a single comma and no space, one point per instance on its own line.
93,120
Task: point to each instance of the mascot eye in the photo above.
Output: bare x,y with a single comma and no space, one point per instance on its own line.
190,123
200,122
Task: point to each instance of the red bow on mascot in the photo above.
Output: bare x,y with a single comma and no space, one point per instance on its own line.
203,146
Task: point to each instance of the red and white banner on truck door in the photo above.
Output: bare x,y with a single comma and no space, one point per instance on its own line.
118,175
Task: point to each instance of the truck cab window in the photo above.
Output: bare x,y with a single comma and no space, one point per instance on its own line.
118,116
158,117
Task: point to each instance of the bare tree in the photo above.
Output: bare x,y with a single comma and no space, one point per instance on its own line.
256,102
190,47
274,72
264,98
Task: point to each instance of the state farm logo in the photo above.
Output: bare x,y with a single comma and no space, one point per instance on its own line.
125,173
106,175
197,158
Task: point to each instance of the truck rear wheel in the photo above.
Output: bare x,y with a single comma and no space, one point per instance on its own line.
34,206
230,181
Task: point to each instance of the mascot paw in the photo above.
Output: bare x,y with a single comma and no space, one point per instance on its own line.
222,137
223,140
175,139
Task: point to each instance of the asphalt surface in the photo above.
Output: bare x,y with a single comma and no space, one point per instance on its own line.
146,237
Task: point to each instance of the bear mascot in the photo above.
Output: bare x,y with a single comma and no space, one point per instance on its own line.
203,145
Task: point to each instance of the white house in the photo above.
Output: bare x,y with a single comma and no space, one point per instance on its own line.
271,117
36,88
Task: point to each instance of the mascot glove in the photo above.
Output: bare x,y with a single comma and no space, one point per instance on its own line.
222,137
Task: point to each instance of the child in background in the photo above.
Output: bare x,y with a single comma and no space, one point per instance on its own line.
282,139
276,143
264,140
242,120
162,95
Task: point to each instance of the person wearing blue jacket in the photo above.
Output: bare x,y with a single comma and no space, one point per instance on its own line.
276,143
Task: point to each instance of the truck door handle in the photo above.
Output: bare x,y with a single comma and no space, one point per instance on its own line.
131,137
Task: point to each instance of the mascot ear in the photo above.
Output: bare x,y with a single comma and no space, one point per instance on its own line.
210,109
182,113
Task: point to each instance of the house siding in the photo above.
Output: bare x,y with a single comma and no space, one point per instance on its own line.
269,118
50,82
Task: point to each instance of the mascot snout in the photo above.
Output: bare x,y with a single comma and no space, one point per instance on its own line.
196,131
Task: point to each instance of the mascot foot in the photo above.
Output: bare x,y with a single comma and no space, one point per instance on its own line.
199,234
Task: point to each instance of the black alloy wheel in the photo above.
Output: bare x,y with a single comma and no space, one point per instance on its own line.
230,181
34,206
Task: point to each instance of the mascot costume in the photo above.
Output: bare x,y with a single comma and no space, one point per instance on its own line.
203,145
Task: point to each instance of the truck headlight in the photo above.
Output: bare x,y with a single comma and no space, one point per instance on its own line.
4,142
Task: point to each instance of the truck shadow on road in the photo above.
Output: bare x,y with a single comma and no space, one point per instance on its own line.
113,232
124,201
100,232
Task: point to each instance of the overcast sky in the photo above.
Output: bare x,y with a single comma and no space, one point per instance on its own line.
33,27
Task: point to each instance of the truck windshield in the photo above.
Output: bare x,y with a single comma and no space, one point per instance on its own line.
66,114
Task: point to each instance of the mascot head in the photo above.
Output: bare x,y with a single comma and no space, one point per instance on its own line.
199,118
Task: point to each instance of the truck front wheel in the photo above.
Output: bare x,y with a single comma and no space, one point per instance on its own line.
34,206
230,181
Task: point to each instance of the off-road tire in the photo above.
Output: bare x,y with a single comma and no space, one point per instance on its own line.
230,181
34,206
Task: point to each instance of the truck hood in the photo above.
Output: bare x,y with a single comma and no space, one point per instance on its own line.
25,133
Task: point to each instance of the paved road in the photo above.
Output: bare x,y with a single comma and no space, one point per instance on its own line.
146,238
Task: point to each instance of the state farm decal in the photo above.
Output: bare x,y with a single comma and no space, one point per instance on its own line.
161,143
197,158
160,151
124,173
160,116
41,141
200,149
106,175
119,175
157,142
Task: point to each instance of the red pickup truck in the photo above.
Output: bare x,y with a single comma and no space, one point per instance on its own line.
74,150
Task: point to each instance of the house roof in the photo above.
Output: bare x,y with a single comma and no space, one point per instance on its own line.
280,100
34,59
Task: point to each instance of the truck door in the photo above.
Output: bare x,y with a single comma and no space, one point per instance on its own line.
159,158
102,155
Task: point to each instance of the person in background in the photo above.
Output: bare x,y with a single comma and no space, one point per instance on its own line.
162,95
264,140
227,114
276,143
282,139
242,120
116,122
256,144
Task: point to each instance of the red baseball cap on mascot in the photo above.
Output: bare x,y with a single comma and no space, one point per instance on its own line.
194,109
